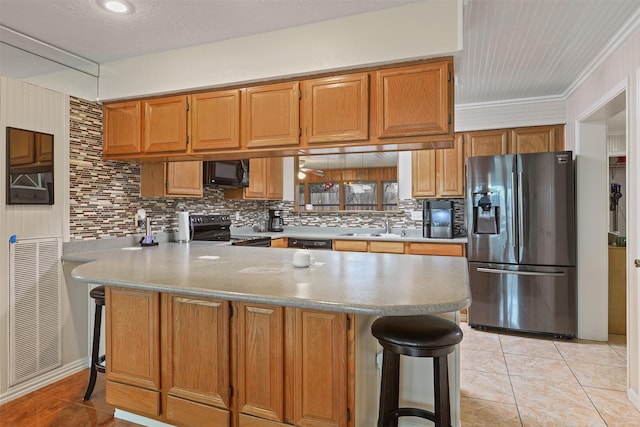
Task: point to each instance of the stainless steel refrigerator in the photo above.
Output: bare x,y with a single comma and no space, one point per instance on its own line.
521,242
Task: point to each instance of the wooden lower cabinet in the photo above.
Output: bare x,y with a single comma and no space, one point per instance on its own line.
260,366
293,367
133,350
194,361
320,368
448,249
386,247
279,242
351,245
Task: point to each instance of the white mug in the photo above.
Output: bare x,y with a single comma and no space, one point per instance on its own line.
301,258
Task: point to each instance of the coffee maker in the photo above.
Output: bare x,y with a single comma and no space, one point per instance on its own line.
275,220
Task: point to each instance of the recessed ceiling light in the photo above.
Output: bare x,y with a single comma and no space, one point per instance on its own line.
117,6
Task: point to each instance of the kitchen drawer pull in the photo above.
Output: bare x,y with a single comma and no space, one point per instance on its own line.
520,273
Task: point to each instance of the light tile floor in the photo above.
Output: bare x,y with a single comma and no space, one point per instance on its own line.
518,380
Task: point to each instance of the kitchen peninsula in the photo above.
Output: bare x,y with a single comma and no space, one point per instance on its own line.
205,334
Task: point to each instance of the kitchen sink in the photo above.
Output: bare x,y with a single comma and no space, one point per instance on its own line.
369,235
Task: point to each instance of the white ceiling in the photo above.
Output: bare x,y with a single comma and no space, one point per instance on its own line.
512,49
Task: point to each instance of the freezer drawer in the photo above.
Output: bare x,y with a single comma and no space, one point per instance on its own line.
523,298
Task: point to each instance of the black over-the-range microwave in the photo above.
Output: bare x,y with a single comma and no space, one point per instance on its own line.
226,173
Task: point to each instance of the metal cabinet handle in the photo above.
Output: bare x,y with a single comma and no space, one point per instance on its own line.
520,273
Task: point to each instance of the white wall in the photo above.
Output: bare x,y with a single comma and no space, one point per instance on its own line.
424,29
27,106
621,68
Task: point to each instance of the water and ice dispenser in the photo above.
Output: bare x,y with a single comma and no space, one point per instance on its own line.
486,213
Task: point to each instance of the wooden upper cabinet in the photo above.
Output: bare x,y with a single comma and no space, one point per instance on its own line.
122,122
320,370
438,173
335,109
265,179
271,115
196,349
166,122
423,173
260,332
215,120
413,100
486,142
175,179
450,169
536,139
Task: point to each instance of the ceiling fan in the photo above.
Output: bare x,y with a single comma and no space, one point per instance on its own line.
302,171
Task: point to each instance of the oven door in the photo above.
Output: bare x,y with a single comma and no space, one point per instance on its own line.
210,234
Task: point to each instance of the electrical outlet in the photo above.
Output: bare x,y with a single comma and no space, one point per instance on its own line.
238,216
416,215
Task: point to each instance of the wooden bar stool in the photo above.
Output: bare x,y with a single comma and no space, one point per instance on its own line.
96,360
415,336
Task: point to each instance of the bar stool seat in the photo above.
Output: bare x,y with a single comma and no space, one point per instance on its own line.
97,361
415,336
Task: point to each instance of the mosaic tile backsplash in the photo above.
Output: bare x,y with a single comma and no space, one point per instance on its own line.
105,195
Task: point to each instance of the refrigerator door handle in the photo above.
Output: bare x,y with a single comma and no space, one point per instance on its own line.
520,273
513,203
520,213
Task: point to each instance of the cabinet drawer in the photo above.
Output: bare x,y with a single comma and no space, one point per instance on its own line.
449,249
187,413
351,245
279,242
249,421
135,399
386,247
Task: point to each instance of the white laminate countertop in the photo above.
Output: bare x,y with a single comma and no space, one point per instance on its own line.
353,282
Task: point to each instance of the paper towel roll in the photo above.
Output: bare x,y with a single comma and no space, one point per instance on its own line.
183,227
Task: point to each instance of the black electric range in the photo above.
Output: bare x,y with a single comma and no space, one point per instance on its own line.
217,228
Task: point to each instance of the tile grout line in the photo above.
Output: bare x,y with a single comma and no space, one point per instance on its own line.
510,382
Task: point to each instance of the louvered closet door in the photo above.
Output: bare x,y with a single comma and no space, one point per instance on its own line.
34,315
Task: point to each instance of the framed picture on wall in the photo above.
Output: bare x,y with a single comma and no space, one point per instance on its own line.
29,167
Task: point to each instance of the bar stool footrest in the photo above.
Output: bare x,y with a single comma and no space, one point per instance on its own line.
415,412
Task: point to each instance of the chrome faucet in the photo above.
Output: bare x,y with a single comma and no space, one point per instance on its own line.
386,222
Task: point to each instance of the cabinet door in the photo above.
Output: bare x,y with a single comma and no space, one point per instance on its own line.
413,101
534,139
386,247
351,245
165,124
447,249
271,115
122,123
336,109
423,173
450,170
486,143
265,179
320,395
274,178
215,120
133,337
184,179
257,188
175,179
261,360
195,352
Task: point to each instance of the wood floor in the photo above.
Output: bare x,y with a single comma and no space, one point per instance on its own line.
60,404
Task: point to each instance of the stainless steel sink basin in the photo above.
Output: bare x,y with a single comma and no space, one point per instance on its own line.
389,235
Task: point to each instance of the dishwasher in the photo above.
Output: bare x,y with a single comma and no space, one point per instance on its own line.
294,242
